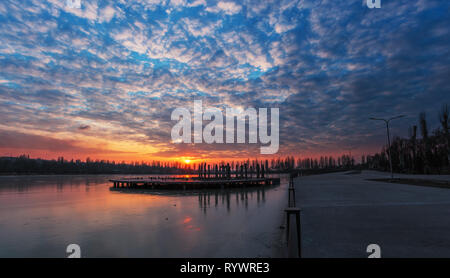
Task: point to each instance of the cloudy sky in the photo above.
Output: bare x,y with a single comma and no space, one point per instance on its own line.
102,80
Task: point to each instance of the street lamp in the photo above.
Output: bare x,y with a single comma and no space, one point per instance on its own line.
388,137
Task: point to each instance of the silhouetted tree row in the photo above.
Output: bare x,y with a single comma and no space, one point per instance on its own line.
427,154
25,165
289,163
326,162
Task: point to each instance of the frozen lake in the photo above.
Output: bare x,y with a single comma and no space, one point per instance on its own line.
41,215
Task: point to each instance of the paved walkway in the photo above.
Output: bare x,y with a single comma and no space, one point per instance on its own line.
343,213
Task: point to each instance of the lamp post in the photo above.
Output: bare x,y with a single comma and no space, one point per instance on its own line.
388,137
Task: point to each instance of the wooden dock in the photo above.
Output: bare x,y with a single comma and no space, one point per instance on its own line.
175,183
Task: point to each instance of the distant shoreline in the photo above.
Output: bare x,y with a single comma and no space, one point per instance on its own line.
305,172
87,174
300,172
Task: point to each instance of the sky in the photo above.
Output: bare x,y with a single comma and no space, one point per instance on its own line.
102,80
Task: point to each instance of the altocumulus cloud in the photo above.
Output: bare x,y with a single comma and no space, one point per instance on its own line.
123,66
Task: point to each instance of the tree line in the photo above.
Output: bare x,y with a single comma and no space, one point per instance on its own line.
423,152
25,165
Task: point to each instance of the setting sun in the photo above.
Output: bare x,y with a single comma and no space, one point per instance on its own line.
187,161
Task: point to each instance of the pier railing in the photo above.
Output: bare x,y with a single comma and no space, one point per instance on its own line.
293,210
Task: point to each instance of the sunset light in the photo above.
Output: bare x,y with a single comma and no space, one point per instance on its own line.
202,130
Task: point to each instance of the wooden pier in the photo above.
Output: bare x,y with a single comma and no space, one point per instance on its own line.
176,183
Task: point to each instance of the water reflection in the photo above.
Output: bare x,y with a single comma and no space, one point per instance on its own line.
40,215
25,184
241,196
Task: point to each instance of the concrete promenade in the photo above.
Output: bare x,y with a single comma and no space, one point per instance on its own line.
342,213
